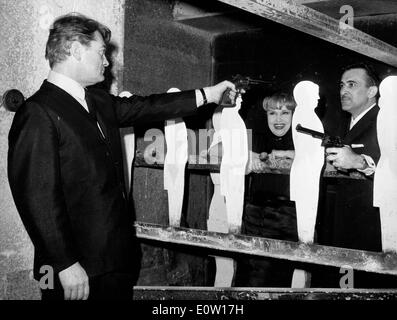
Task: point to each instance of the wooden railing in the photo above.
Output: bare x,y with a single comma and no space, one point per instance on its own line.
384,263
213,164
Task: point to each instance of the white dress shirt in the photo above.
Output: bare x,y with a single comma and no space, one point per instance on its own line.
73,88
69,85
359,117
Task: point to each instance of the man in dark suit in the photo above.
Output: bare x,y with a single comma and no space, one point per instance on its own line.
356,222
65,163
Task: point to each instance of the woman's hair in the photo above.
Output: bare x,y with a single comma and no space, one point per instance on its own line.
69,28
279,100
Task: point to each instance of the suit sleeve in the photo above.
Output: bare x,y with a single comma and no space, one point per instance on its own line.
35,181
371,153
157,107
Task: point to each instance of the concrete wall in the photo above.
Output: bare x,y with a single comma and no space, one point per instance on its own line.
24,31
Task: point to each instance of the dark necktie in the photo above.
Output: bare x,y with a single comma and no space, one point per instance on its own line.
92,110
90,105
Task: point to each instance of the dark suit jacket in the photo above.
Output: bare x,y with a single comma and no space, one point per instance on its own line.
67,182
356,221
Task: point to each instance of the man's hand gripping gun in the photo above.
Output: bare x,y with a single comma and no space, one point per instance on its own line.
242,85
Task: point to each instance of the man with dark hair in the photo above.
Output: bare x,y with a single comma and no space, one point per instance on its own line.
65,163
372,78
355,221
358,93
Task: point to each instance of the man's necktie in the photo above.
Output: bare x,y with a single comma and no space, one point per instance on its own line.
92,110
90,105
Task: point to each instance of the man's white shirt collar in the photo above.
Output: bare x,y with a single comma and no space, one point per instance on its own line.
69,85
358,118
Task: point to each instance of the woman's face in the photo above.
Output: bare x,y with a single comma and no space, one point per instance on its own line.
279,120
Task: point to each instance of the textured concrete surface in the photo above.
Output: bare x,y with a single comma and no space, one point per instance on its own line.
24,30
21,286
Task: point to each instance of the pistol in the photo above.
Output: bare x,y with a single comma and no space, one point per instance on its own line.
241,83
328,141
245,83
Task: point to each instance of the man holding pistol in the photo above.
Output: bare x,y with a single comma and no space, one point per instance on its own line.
356,222
65,164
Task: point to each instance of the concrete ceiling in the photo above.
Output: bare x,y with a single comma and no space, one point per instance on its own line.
377,18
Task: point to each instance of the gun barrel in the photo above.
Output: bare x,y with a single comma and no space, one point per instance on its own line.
313,133
256,81
242,80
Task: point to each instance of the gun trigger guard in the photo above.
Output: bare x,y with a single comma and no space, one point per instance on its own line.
225,101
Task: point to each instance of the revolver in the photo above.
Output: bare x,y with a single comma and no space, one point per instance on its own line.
327,140
242,84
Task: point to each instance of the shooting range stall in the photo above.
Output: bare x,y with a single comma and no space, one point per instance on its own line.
193,44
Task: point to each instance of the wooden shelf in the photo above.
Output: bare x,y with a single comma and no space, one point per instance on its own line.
213,165
385,263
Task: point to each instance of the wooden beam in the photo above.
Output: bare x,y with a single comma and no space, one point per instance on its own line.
361,8
311,1
228,294
385,263
213,165
302,18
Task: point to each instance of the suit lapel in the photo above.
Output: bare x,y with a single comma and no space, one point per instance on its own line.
67,99
69,107
75,106
362,125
